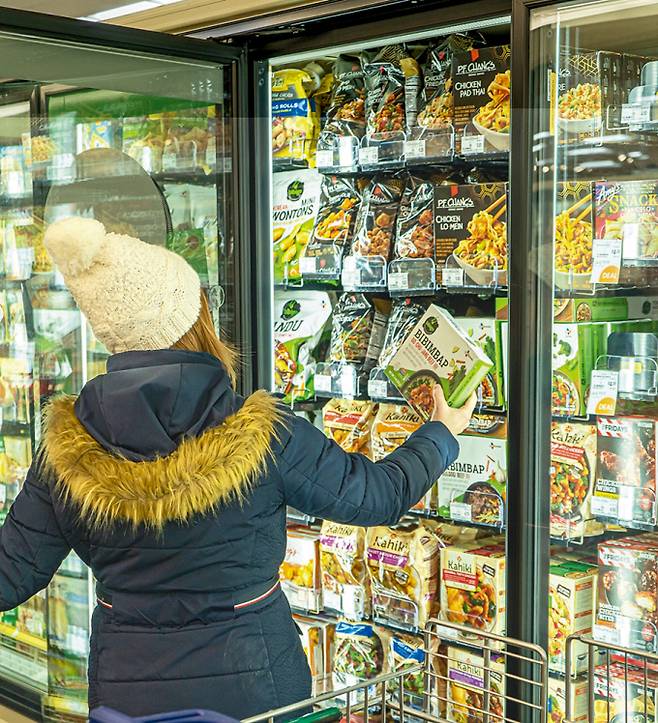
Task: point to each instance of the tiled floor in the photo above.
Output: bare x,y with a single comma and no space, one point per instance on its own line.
8,716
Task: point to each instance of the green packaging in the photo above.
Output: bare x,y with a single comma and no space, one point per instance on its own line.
483,332
572,359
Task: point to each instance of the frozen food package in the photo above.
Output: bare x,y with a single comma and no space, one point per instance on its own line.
414,237
406,651
573,235
333,230
393,425
345,584
358,329
295,117
375,222
349,423
385,99
295,203
300,319
346,115
482,331
468,684
404,315
403,570
300,571
437,352
622,693
358,655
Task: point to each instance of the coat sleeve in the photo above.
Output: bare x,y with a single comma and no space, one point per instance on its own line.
322,480
32,545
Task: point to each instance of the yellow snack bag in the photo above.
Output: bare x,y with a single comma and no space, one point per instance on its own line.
295,117
349,422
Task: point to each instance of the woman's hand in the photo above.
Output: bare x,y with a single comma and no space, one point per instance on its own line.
456,420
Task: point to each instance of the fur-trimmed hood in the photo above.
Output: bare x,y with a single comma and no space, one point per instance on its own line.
208,466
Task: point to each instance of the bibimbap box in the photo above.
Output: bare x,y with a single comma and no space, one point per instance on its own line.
437,352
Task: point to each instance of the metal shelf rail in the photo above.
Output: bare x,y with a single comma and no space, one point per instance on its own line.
474,680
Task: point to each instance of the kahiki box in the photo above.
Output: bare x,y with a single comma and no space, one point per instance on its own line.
300,572
570,611
469,685
625,487
437,352
482,83
627,593
470,222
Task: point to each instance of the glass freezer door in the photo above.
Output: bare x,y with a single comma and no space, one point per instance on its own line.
596,197
134,130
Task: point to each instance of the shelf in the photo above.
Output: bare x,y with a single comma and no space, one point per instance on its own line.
33,641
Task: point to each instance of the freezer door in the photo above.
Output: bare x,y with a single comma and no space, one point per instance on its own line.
135,130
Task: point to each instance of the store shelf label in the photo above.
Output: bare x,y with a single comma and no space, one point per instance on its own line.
635,113
322,383
308,265
606,260
461,512
398,280
369,156
603,392
325,158
453,277
607,507
414,149
377,388
472,144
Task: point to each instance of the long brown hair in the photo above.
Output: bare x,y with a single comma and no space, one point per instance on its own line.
203,337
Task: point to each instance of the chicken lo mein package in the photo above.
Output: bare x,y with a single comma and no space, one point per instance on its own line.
375,224
403,570
349,422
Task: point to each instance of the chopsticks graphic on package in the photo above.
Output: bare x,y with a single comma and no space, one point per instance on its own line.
584,200
501,210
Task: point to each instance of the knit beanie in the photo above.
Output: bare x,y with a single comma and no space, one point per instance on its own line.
136,296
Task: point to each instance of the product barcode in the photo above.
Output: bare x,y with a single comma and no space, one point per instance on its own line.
472,144
453,277
632,113
369,156
461,512
605,506
398,280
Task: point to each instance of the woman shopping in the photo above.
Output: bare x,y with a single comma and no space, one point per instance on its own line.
173,490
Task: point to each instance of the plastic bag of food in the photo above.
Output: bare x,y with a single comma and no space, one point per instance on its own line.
349,422
414,238
385,107
358,329
295,118
346,115
403,568
404,315
345,586
299,324
375,223
358,655
393,425
295,202
406,651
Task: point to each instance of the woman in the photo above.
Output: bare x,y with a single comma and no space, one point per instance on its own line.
173,489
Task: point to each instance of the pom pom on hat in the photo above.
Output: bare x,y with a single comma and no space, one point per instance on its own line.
74,243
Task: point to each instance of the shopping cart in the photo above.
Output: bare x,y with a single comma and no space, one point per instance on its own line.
108,715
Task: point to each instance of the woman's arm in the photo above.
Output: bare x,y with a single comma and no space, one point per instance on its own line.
32,545
322,480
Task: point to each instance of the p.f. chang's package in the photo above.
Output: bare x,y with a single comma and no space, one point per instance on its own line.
403,569
345,585
349,422
358,655
437,352
295,117
295,200
375,223
346,115
482,81
358,329
299,324
414,238
470,224
573,465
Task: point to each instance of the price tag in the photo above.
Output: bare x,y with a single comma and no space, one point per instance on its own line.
635,113
398,280
369,156
308,265
347,382
350,278
453,277
605,506
605,634
324,158
461,512
377,388
603,392
322,383
606,260
472,144
414,149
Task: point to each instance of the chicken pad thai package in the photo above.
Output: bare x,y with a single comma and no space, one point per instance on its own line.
572,471
482,81
471,234
349,422
345,585
358,654
300,321
625,493
468,684
437,352
358,330
403,570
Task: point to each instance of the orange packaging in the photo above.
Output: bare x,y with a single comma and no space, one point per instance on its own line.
349,423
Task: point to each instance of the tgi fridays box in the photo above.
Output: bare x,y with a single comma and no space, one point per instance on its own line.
627,212
621,691
570,611
473,587
473,487
573,465
437,352
557,700
582,90
471,234
627,592
300,572
625,487
482,81
468,685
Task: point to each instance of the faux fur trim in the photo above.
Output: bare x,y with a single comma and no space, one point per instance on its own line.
203,473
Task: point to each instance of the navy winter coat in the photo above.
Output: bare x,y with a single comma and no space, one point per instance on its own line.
173,489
